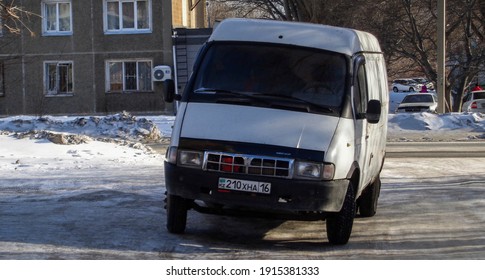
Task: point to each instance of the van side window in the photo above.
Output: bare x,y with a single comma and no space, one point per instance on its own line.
360,96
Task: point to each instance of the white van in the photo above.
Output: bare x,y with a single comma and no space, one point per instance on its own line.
282,118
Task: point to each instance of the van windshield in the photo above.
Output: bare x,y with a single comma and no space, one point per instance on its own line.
273,72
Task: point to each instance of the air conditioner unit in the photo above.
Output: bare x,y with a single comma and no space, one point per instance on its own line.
161,73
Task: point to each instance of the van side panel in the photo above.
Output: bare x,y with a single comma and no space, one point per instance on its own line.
341,150
377,133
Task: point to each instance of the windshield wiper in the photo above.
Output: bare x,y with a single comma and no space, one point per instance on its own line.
264,97
244,95
218,90
209,90
312,106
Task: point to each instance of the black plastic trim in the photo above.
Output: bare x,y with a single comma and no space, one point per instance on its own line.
286,195
250,149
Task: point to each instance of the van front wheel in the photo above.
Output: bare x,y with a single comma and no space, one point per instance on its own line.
176,213
339,225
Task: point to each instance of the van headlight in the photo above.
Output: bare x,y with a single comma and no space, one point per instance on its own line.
191,159
313,170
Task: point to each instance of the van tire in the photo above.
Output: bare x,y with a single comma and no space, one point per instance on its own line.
368,200
339,225
176,214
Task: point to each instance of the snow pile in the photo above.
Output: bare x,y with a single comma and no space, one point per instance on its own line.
428,121
135,131
432,127
121,128
436,127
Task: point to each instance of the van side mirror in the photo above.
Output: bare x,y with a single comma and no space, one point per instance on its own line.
168,90
373,113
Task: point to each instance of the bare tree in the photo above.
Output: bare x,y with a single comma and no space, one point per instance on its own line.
13,17
406,30
467,46
410,39
316,11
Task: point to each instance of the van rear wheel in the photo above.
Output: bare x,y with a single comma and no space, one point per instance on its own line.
339,225
176,214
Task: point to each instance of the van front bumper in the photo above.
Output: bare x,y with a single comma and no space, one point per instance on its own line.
286,194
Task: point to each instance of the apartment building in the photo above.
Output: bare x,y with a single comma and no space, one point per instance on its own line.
86,57
189,13
189,19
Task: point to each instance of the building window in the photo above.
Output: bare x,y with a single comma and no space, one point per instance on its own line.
56,17
58,78
127,16
129,76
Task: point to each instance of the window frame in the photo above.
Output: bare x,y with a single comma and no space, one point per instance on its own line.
360,94
47,80
108,84
56,32
121,30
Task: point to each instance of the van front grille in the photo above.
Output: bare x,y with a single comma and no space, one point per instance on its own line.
248,164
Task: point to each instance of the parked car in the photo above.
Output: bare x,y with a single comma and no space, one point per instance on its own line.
418,102
405,85
474,102
423,81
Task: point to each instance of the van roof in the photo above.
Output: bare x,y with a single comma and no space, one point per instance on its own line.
336,39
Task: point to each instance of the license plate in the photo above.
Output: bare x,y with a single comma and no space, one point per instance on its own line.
244,185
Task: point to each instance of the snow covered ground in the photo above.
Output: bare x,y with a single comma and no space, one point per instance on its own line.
32,145
68,166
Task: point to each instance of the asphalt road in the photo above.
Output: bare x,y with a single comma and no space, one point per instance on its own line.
428,209
412,149
435,149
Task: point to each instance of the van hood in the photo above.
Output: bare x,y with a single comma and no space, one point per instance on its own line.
258,125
